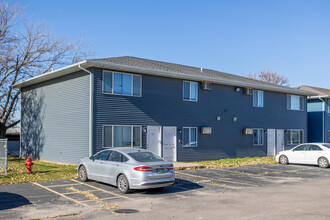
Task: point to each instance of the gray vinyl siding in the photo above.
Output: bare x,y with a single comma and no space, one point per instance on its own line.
55,119
162,104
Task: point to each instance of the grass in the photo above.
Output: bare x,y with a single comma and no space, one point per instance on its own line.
237,162
41,171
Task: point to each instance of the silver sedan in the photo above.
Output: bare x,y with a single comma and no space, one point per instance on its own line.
127,168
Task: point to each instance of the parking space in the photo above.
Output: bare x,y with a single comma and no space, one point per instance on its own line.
73,197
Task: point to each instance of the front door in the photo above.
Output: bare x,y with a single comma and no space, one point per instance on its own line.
279,140
169,143
271,141
154,139
275,141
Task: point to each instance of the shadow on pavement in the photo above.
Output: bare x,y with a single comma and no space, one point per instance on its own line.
12,200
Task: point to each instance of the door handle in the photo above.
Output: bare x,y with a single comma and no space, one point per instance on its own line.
117,165
101,162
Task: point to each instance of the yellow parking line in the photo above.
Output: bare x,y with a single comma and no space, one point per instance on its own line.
60,194
69,184
115,194
278,171
219,180
68,193
251,174
99,199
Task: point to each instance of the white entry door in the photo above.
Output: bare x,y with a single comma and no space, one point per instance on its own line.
275,141
279,140
271,141
154,139
169,143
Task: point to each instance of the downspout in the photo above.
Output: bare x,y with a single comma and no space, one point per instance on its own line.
90,109
323,124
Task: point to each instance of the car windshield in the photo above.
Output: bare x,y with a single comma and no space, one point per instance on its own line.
145,157
326,145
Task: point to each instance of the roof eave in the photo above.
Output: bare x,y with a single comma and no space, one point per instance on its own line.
88,63
51,75
197,78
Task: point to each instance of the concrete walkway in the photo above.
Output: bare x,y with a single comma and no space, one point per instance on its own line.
186,166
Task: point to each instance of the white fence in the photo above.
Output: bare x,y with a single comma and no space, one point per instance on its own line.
3,156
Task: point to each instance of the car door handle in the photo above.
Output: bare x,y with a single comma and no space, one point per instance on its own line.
101,162
117,165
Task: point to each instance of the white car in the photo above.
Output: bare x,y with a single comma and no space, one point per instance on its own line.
308,153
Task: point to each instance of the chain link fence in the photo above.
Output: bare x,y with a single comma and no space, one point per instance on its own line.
3,156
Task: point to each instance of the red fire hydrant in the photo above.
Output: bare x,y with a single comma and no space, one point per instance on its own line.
28,165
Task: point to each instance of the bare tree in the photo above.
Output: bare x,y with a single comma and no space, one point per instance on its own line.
271,77
26,50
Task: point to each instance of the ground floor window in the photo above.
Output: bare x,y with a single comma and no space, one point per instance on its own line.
189,137
258,136
121,136
329,136
295,136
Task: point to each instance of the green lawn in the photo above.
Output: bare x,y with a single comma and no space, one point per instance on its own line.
42,171
237,162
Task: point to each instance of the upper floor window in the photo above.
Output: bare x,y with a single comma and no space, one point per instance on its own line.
258,98
258,136
295,102
328,105
121,83
190,91
190,137
295,136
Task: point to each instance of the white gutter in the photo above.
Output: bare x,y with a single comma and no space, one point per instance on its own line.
90,109
119,67
323,119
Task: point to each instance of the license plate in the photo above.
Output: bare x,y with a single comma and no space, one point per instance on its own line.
161,170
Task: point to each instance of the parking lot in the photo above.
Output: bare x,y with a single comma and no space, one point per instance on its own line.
213,187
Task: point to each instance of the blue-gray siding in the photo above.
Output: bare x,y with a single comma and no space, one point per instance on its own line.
318,121
55,119
161,104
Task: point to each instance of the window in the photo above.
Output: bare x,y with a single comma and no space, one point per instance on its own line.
258,136
190,91
295,102
103,155
314,148
189,137
295,137
121,83
328,136
328,105
258,98
121,136
145,157
301,148
117,157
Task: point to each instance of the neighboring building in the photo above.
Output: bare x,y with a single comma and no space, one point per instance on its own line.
318,108
13,141
180,112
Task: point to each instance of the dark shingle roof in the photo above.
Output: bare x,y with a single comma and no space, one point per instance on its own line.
177,68
317,90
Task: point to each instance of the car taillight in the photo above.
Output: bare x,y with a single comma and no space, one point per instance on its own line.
143,168
170,167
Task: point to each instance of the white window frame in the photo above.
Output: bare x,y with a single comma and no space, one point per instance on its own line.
189,100
112,130
257,97
112,76
262,136
300,104
189,145
301,131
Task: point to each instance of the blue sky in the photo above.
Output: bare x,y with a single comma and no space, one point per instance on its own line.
239,37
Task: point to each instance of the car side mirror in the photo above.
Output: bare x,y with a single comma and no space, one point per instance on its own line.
92,158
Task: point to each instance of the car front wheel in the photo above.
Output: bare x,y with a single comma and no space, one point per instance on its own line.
323,162
82,172
283,160
122,184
